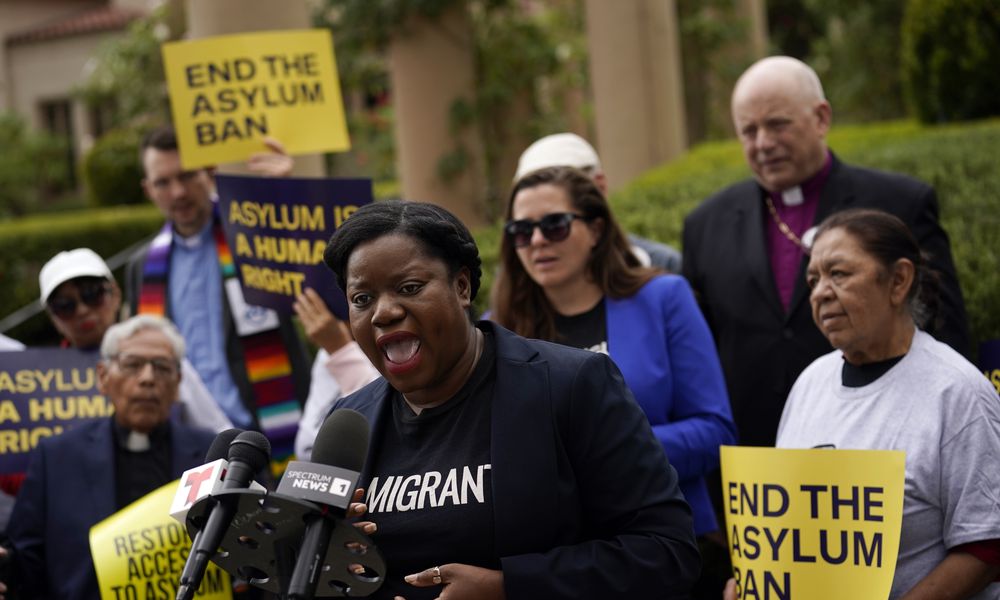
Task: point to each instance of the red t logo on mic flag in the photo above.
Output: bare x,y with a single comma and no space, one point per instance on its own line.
194,481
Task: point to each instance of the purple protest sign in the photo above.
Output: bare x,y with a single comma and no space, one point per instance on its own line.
277,229
989,361
43,392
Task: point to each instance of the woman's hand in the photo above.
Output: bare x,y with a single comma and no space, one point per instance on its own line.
730,592
321,327
461,582
357,509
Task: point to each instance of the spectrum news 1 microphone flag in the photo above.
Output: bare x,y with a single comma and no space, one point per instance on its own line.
330,480
140,551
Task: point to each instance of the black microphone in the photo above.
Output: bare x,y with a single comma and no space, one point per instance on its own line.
249,452
337,459
220,445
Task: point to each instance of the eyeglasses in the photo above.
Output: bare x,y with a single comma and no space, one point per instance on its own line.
132,365
91,293
555,227
184,177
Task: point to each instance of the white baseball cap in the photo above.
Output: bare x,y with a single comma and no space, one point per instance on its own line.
82,262
557,150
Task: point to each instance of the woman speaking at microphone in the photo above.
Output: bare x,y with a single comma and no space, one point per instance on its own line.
499,467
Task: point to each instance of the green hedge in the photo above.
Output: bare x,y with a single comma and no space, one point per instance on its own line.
961,161
111,169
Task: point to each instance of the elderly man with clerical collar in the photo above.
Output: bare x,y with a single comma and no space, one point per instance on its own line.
746,247
98,467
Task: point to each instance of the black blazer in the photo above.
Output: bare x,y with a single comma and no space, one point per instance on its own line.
585,503
762,348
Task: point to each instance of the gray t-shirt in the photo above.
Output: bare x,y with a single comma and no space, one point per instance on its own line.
940,410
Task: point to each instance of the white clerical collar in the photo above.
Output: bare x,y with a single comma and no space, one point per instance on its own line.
137,442
792,196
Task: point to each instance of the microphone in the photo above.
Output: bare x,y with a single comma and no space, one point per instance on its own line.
203,480
220,445
249,452
330,480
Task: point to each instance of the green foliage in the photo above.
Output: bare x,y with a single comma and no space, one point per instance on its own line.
951,58
516,52
373,152
128,82
713,41
33,167
111,169
368,23
26,244
857,57
960,161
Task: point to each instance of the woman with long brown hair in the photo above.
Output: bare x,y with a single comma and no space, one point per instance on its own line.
568,276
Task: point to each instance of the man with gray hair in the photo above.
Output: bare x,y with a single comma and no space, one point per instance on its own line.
746,248
571,150
80,477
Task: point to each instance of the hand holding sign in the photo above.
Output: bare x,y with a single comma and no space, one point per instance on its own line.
274,163
321,327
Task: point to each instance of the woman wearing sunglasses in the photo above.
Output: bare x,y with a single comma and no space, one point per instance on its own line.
83,300
568,276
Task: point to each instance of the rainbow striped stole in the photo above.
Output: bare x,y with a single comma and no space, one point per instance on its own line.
265,357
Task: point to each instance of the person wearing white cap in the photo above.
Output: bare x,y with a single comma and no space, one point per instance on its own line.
83,301
571,150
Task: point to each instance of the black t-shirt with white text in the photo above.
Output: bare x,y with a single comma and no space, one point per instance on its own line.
431,487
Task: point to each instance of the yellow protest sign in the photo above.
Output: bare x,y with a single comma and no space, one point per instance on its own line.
817,524
139,552
228,92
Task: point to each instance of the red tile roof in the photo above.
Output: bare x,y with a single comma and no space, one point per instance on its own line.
91,20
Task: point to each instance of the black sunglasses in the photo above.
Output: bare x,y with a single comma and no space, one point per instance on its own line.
555,227
92,293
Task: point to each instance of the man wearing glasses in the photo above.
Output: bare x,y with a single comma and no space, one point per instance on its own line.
80,477
187,275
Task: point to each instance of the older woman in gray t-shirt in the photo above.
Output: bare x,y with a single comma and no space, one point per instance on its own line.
890,386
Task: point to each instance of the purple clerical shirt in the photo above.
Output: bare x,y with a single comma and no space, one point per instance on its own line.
785,255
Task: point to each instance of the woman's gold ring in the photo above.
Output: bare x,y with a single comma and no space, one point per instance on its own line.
437,575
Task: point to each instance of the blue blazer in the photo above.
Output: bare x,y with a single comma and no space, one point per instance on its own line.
660,341
585,503
69,487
